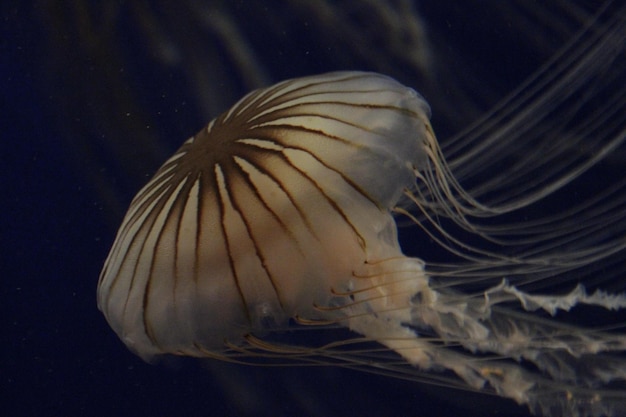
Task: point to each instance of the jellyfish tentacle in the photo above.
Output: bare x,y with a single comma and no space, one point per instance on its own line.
394,302
398,329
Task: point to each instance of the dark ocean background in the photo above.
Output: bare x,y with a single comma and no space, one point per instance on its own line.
96,95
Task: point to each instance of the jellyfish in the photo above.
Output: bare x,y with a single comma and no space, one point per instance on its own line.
272,236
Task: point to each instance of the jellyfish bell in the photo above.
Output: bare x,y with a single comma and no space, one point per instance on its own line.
258,217
279,215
